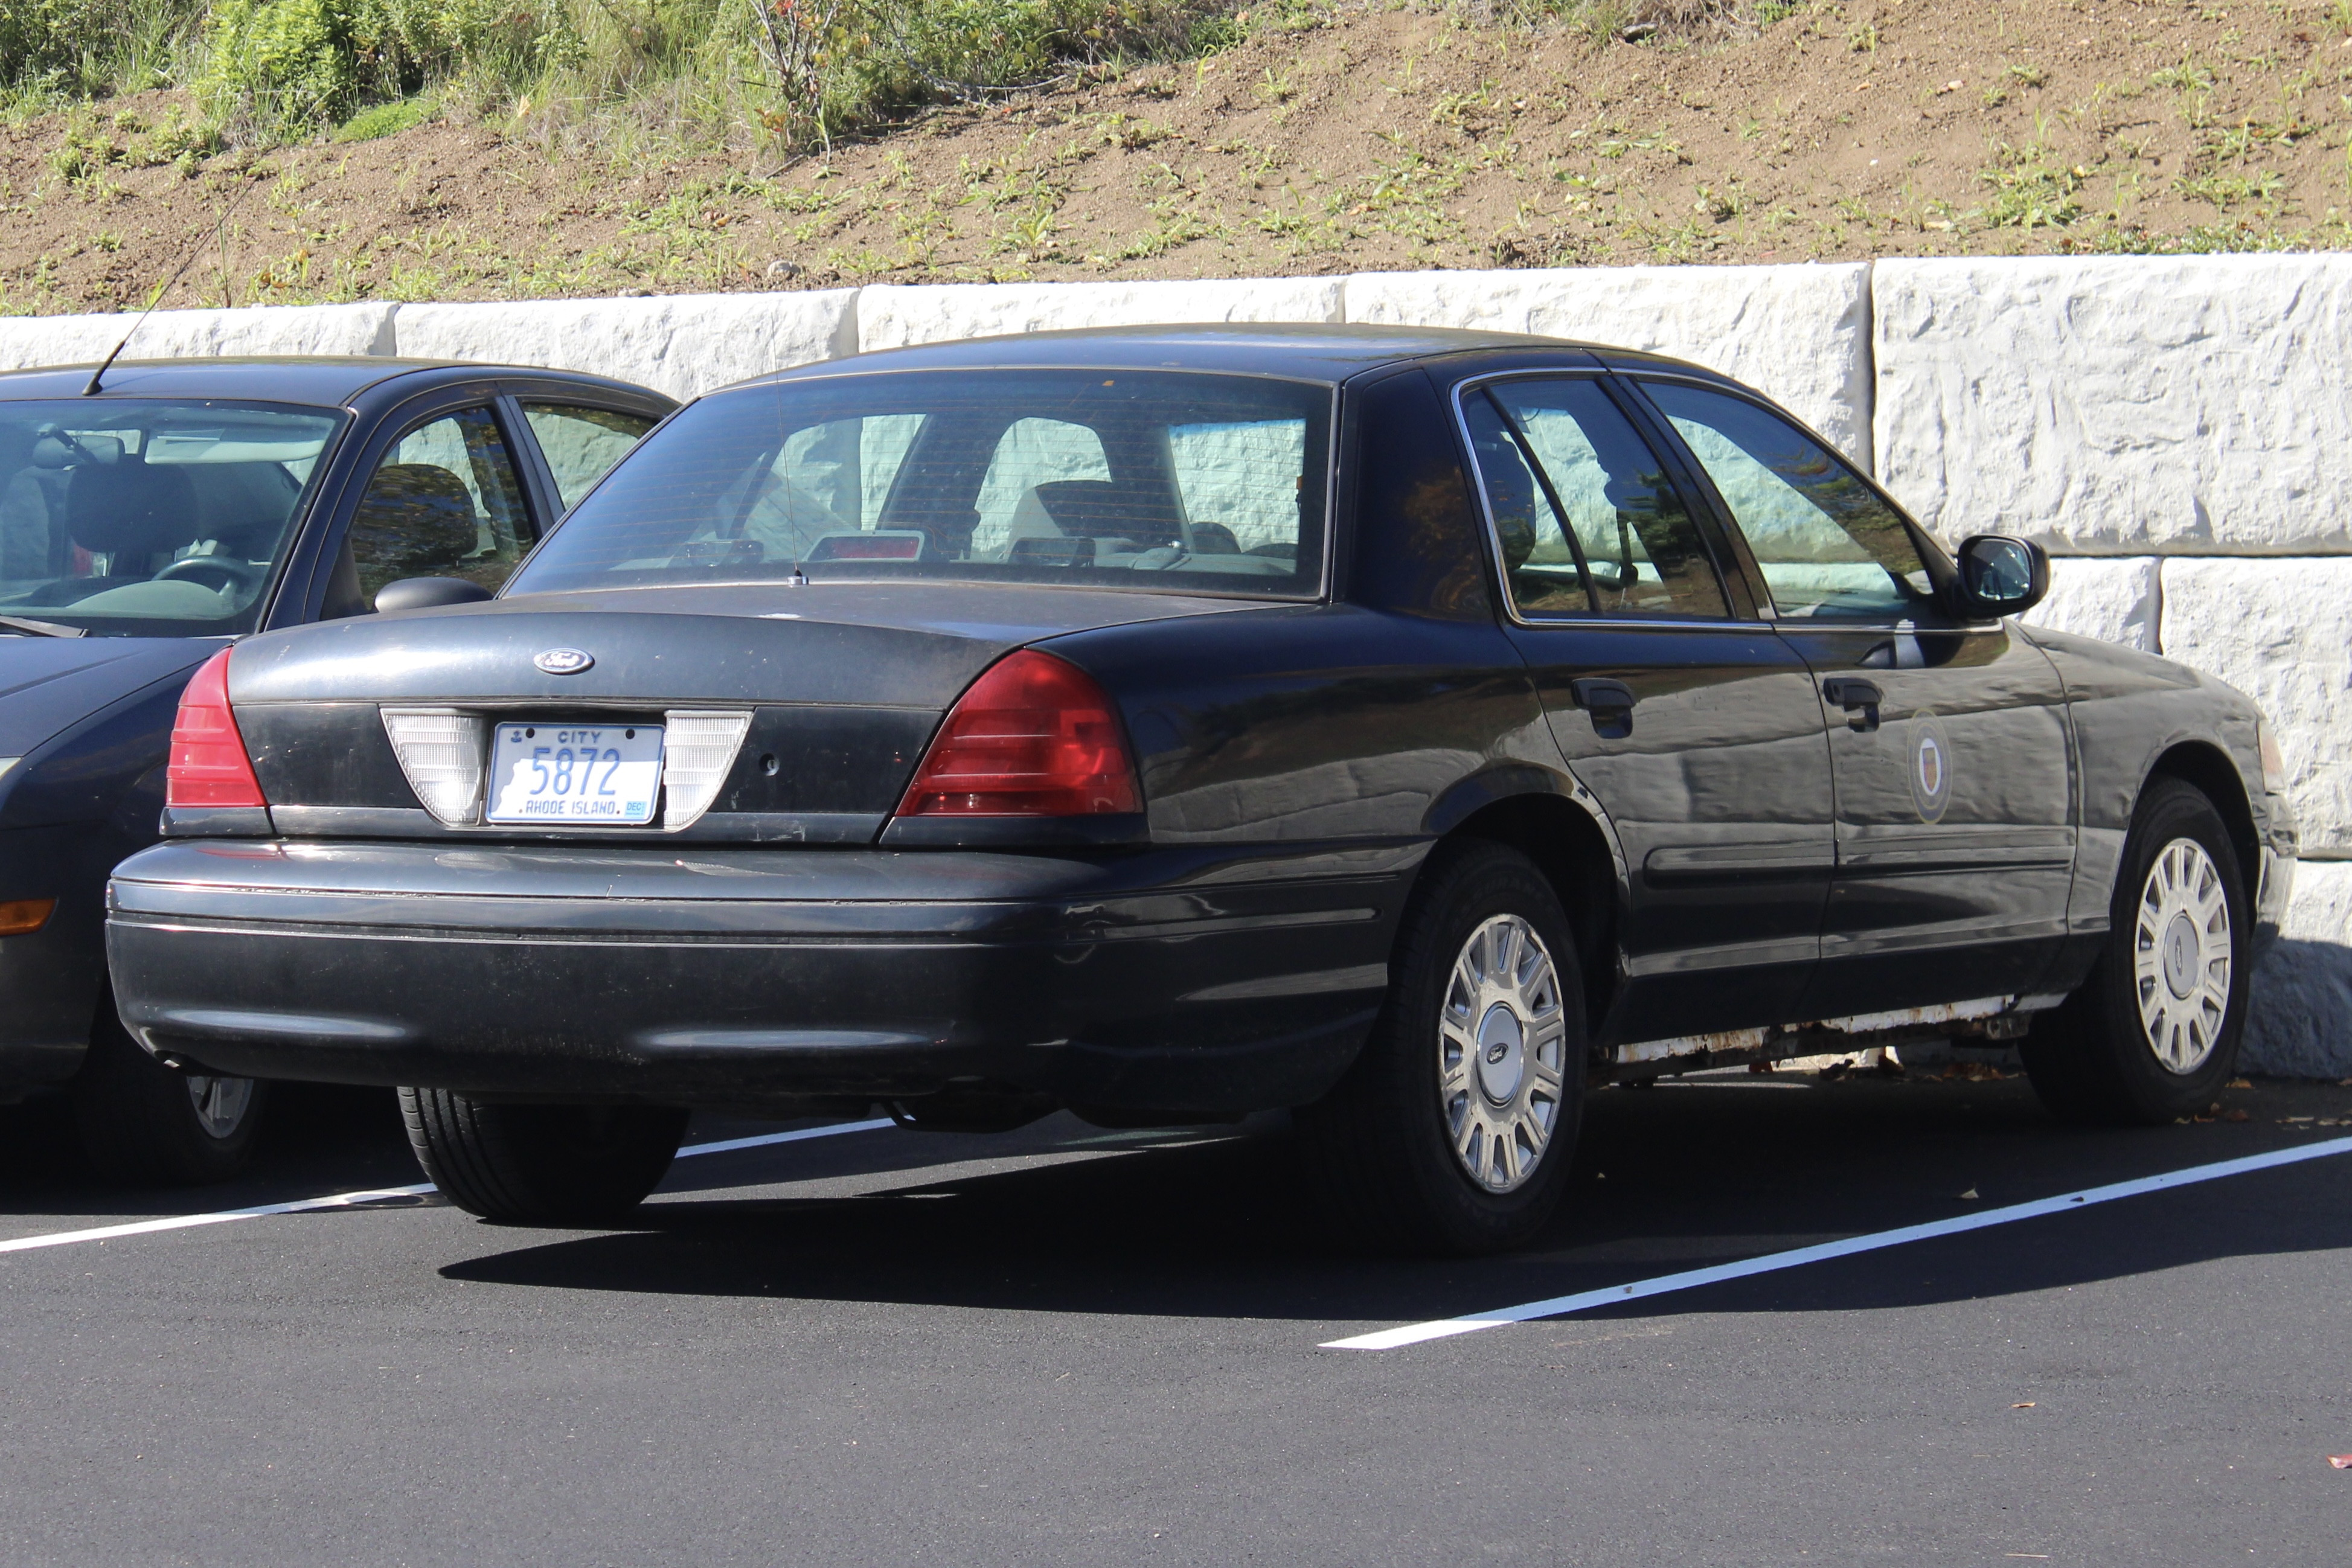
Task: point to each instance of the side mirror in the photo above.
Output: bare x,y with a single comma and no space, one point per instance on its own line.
425,592
1999,576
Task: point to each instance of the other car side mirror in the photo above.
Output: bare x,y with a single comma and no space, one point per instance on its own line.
1999,576
425,592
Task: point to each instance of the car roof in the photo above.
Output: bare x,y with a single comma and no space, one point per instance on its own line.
1312,351
318,381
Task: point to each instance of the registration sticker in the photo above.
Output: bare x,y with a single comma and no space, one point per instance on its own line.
574,773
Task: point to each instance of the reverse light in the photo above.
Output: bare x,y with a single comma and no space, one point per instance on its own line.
2274,760
440,751
1033,737
698,753
208,766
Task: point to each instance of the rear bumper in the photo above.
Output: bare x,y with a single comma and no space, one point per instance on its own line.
1164,979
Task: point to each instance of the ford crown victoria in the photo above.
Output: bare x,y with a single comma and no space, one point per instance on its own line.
1411,729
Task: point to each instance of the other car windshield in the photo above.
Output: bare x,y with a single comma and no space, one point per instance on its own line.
1105,478
150,518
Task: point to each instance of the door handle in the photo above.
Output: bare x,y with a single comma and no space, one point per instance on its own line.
1858,697
1611,703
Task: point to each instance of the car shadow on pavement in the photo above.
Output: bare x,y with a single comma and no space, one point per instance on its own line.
1223,1227
317,1139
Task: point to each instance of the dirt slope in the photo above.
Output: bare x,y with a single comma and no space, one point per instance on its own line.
1383,139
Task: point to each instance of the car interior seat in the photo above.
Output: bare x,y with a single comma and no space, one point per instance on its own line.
131,512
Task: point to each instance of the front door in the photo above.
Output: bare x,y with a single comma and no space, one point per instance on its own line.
1693,726
1955,798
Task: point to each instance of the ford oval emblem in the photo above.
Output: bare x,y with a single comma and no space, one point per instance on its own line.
563,660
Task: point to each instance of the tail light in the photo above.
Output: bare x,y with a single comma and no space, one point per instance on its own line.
208,766
1033,737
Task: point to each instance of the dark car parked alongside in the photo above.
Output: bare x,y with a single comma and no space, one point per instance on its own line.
1408,728
145,524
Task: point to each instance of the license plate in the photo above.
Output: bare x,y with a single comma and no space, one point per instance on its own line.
574,773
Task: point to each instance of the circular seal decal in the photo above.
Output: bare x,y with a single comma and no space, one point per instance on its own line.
1931,764
563,661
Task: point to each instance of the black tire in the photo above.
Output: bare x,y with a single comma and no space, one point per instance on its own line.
143,1123
2095,1058
1381,1149
540,1165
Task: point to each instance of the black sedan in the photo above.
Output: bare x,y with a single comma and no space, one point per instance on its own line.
148,517
1408,728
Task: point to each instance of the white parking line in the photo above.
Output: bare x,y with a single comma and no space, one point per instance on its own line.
1558,1306
372,1195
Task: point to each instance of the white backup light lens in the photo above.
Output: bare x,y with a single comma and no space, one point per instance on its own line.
698,753
440,750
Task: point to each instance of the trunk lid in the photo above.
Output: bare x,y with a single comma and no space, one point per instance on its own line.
842,685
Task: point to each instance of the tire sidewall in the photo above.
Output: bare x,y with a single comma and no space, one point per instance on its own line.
1472,886
2171,810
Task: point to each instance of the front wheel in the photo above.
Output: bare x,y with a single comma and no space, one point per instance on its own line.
540,1165
2152,1035
145,1124
1454,1131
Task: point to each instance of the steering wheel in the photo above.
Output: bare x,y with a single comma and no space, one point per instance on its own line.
233,573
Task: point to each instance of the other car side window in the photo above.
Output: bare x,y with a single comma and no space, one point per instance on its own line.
581,443
443,502
1830,548
1586,519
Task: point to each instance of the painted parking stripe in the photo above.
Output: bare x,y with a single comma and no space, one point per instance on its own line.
377,1194
1772,1262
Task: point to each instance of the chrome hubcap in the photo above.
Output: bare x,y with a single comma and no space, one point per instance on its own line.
1501,1053
220,1103
2181,955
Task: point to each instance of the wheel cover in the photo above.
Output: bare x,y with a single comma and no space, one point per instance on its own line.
1501,1053
2182,955
220,1104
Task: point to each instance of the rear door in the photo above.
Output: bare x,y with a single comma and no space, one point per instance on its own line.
1955,798
1694,727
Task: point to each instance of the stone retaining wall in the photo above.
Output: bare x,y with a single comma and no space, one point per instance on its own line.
2174,429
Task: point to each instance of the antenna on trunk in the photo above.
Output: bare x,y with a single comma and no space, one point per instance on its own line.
156,298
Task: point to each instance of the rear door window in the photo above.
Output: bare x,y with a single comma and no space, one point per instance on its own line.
1586,519
581,444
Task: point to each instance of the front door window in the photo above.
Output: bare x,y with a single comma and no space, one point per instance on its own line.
442,502
1830,547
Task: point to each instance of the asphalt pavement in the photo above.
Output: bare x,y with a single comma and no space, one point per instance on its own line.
1069,1345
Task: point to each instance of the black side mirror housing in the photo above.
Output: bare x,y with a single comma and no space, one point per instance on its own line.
425,592
1999,576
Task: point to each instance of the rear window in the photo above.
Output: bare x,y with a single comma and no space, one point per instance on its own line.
1194,483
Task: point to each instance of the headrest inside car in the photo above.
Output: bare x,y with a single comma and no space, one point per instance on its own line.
129,508
1104,509
414,516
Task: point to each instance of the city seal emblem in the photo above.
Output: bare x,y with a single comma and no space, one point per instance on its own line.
563,661
1931,766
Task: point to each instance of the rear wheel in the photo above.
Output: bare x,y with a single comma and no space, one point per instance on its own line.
1454,1131
540,1165
2152,1035
143,1123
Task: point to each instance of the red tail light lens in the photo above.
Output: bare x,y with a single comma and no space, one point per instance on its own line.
209,767
1034,736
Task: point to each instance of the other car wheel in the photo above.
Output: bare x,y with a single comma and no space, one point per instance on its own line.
146,1124
1454,1130
2152,1034
540,1165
